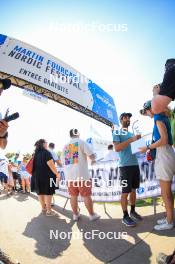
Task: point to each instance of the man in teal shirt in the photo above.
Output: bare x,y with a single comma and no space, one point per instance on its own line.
128,167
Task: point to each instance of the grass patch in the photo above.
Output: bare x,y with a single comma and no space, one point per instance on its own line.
140,202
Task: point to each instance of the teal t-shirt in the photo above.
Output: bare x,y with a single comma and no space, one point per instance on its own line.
126,158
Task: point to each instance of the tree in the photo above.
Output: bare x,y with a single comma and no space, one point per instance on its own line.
9,155
28,156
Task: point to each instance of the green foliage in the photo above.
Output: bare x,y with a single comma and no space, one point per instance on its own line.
59,153
28,156
10,155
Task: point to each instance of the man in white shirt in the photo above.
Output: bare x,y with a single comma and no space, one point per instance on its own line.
57,161
75,155
54,154
111,155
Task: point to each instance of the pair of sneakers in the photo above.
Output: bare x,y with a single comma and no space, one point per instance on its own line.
91,217
162,224
132,219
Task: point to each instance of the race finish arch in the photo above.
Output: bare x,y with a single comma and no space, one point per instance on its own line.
33,69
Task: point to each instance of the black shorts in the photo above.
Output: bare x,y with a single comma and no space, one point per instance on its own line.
168,85
15,175
3,178
130,178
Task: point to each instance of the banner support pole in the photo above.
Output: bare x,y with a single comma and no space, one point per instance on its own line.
154,204
53,201
65,203
104,205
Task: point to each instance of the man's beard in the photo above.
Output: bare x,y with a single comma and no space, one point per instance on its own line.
126,124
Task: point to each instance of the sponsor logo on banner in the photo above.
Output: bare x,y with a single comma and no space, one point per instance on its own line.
38,97
140,190
2,39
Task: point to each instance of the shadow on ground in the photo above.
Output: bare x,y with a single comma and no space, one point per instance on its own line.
19,196
105,249
46,230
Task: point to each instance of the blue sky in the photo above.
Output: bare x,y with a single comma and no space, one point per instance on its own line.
150,37
151,33
125,64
